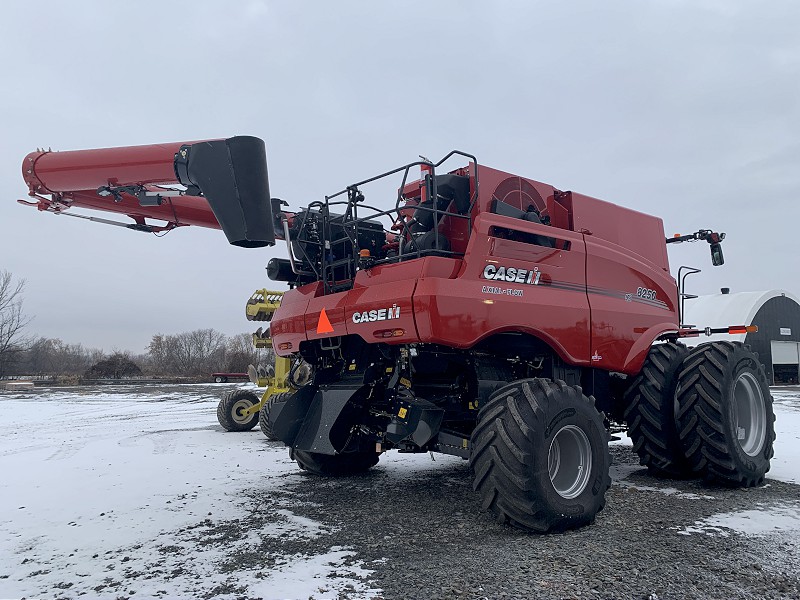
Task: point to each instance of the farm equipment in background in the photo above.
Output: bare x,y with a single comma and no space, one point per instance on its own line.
240,410
477,313
225,377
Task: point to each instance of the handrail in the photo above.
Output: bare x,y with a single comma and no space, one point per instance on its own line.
338,270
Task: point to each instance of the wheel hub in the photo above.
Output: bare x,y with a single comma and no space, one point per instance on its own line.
569,462
238,411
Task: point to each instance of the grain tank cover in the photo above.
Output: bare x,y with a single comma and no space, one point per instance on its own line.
232,176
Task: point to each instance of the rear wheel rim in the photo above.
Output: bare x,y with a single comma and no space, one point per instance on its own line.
749,414
569,461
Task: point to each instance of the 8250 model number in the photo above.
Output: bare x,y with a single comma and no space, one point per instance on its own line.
645,293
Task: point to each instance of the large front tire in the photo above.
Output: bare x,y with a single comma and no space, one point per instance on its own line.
348,463
650,412
231,408
725,416
539,456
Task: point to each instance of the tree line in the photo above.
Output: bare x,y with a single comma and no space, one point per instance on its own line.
195,353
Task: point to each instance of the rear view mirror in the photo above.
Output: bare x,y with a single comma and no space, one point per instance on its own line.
716,254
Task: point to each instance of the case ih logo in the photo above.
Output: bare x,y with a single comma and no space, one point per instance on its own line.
382,314
512,274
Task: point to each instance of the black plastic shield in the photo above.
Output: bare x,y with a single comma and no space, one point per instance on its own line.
232,175
287,416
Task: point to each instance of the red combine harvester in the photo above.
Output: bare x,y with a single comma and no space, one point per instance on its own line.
478,313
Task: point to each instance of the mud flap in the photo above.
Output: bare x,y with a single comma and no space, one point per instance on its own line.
287,416
318,420
327,426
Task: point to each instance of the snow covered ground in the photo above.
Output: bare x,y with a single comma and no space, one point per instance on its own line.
107,491
123,490
785,466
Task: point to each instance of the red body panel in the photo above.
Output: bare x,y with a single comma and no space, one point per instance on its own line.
381,288
462,312
636,234
598,298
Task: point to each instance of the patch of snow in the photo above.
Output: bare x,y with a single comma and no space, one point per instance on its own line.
668,491
767,519
785,465
620,472
295,525
321,576
108,492
620,438
410,465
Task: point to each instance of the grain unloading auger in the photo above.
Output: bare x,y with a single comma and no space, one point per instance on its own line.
223,184
483,315
220,184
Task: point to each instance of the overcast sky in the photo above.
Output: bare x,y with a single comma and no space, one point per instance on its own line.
688,110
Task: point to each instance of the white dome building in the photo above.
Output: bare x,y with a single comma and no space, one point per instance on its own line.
777,315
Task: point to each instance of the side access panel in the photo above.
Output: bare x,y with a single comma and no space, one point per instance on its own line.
511,285
632,295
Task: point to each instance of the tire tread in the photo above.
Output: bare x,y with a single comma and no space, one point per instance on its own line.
501,454
649,412
704,381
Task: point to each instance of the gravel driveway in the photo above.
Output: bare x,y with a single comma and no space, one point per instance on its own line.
425,537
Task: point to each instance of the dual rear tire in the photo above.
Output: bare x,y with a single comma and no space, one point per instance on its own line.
705,412
725,418
650,412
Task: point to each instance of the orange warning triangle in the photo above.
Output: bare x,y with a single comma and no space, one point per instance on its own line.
324,325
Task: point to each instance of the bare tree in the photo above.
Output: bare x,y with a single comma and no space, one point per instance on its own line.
197,352
240,353
12,320
51,356
161,353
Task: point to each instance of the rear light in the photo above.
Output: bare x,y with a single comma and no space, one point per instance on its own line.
285,346
387,333
742,329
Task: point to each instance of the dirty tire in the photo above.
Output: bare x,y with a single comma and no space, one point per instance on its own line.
229,410
348,463
263,415
725,417
650,412
539,456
